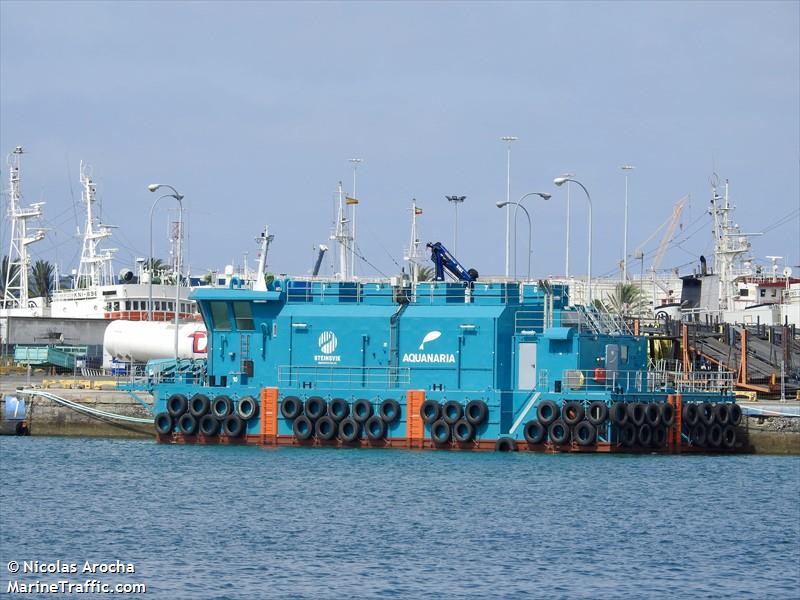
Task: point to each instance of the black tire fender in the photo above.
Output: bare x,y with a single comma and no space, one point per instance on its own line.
389,410
326,428
233,426
440,432
430,411
558,432
463,431
452,411
209,425
636,413
302,427
644,435
187,424
164,423
572,412
619,413
652,414
585,433
667,414
291,407
547,412
476,412
177,404
315,407
349,430
691,414
375,428
199,405
247,408
505,444
222,407
338,409
534,432
597,412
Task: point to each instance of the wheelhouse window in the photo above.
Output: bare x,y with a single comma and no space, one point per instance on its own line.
243,312
219,316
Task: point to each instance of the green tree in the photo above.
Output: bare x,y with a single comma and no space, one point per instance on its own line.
627,300
425,274
41,283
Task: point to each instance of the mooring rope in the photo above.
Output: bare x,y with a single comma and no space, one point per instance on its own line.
83,408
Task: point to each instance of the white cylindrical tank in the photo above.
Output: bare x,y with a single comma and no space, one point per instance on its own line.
140,341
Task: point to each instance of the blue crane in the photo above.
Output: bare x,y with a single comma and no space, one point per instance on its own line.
442,259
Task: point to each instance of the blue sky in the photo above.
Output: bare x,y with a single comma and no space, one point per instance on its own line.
252,111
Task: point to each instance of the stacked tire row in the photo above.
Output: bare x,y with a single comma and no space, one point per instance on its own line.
453,422
563,425
642,424
710,425
327,421
200,415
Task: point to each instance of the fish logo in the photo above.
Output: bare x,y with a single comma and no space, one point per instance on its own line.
430,337
327,342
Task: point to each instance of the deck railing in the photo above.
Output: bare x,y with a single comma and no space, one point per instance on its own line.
342,378
590,380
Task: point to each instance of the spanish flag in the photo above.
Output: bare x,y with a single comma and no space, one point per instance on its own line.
349,200
417,210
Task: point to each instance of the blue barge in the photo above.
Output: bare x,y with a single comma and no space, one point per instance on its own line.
465,365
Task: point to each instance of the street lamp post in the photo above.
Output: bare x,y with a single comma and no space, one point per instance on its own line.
179,198
543,196
455,201
509,139
625,168
559,181
569,227
502,204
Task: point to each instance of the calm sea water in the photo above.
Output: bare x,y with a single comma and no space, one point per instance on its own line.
245,522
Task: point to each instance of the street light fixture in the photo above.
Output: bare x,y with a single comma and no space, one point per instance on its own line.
559,181
455,201
179,198
501,204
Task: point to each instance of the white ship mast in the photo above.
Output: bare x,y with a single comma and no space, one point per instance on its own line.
264,240
15,293
95,267
342,235
729,243
413,256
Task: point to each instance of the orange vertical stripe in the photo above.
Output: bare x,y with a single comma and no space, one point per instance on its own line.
269,415
415,428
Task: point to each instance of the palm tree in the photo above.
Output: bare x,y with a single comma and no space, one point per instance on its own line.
41,283
155,266
425,274
627,300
